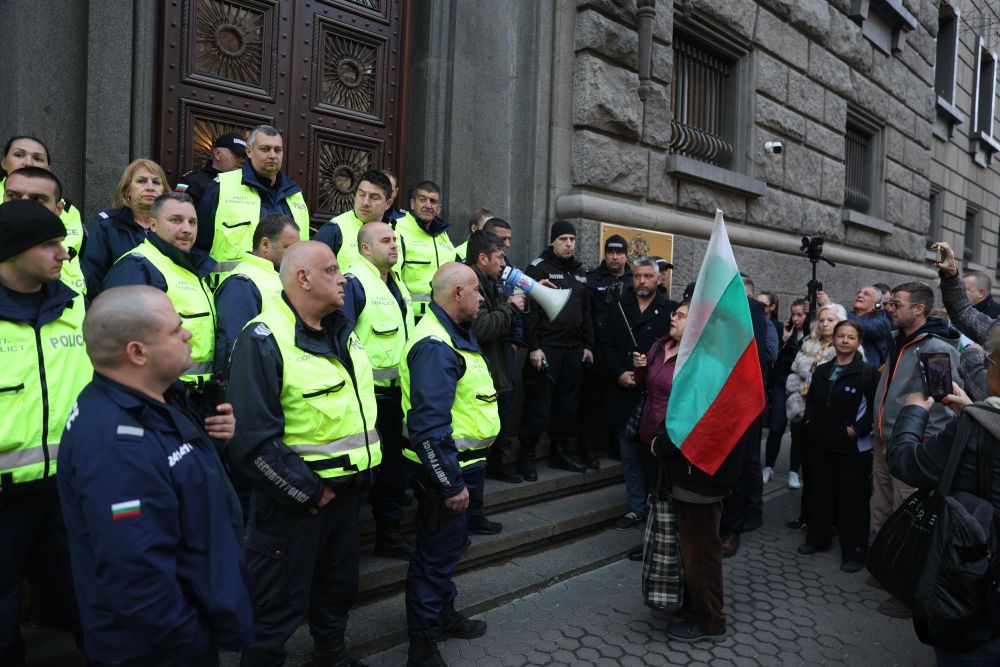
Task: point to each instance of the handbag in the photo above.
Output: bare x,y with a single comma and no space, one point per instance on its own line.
937,552
630,429
662,570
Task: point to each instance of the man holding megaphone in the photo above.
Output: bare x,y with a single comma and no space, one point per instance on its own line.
560,339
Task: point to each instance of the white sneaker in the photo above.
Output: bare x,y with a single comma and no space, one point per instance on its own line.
768,474
794,482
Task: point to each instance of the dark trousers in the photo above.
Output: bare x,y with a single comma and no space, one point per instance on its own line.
391,480
701,556
839,490
551,395
429,584
210,658
593,431
779,420
300,563
33,535
744,508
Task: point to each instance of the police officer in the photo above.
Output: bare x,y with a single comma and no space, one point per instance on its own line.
392,212
607,285
556,351
425,243
43,366
381,308
153,524
302,390
228,153
42,186
236,200
253,283
167,261
371,199
22,151
451,420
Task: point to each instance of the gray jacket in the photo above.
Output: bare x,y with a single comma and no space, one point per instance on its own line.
905,377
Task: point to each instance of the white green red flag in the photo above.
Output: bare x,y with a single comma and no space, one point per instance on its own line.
717,390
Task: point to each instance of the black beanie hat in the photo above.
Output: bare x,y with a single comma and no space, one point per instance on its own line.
25,224
616,243
560,227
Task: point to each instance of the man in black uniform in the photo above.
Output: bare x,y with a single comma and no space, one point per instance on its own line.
556,352
228,153
607,284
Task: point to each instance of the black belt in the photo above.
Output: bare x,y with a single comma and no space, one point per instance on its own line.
342,461
388,391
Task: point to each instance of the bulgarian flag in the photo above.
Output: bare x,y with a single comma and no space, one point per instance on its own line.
717,390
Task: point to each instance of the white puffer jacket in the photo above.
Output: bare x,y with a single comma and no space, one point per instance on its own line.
802,369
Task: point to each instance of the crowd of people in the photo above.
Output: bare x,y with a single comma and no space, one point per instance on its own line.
220,394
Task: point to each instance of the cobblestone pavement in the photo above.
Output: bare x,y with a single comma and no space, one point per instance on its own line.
782,609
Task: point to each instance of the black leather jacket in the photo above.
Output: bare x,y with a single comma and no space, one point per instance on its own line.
920,464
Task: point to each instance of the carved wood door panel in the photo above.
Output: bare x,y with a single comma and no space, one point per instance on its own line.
330,74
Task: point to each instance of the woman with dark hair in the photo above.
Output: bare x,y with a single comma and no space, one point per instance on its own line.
837,424
920,462
792,334
118,230
697,495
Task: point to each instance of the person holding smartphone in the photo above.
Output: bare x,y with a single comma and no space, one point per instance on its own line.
792,334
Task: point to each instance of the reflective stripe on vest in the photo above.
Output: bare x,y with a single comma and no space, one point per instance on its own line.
422,255
382,328
238,213
329,417
341,446
35,402
475,420
192,301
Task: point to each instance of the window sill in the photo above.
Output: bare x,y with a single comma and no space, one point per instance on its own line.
948,116
865,221
982,147
695,170
886,27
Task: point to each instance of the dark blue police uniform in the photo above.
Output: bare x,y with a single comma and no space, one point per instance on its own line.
154,532
112,233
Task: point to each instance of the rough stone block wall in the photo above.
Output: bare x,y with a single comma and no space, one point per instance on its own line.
810,65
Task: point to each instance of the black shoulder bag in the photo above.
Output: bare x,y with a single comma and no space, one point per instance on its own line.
937,552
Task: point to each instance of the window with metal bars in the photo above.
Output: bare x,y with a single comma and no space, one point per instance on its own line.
858,169
702,125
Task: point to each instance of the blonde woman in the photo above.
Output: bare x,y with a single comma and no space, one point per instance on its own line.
815,350
120,229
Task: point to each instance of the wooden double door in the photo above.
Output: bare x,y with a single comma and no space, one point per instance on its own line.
329,74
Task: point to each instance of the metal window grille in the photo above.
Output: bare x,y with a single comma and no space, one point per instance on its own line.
700,127
858,179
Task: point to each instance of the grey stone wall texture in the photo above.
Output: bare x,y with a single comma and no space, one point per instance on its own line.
810,63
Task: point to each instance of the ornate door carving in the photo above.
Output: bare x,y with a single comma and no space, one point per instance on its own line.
330,74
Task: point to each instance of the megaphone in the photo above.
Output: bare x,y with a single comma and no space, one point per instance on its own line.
551,300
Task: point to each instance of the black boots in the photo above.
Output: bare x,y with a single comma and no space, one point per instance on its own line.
526,461
560,458
423,651
587,456
390,543
453,624
500,471
332,654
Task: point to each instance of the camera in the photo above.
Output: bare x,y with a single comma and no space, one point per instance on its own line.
813,247
775,147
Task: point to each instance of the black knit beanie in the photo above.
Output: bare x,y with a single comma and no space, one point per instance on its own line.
25,224
560,227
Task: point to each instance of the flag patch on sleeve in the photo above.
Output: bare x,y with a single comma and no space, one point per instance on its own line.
124,510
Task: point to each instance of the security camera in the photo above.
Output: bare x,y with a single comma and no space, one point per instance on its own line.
773,147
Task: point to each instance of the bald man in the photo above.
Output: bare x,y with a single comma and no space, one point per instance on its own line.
154,526
380,305
450,407
304,397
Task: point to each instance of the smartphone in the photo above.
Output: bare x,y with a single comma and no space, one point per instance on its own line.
215,393
935,371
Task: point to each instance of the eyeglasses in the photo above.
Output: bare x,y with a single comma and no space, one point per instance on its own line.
896,305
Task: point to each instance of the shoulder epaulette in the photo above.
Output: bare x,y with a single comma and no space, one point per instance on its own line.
130,433
261,330
537,261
